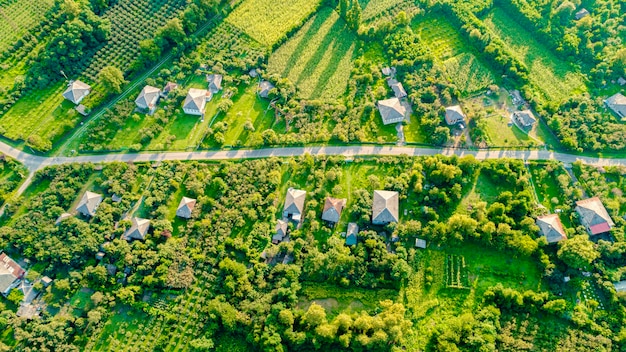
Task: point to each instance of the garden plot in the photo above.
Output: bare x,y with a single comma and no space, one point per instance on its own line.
456,275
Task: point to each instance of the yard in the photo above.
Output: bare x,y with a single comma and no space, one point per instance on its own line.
318,58
268,21
556,78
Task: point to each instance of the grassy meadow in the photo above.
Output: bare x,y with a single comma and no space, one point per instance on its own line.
268,21
318,58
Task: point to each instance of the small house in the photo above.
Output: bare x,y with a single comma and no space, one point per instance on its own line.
89,203
581,14
252,73
148,99
621,81
391,110
454,115
62,218
195,102
352,235
281,231
215,83
138,229
385,207
551,228
294,204
46,281
169,87
264,88
185,207
332,209
398,89
11,274
420,243
617,103
388,71
524,118
620,286
593,216
76,91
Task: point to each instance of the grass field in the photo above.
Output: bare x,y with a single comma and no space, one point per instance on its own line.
553,76
319,58
268,21
247,106
17,17
451,51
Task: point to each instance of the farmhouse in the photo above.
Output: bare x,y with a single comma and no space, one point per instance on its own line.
551,228
524,118
617,103
332,209
76,91
385,207
294,204
89,203
391,110
185,207
10,274
138,229
264,89
62,218
195,102
169,87
593,216
352,235
398,89
454,115
581,14
215,83
148,99
281,232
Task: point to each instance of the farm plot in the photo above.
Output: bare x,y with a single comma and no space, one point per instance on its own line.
554,77
376,9
131,22
268,21
450,50
455,272
319,58
17,17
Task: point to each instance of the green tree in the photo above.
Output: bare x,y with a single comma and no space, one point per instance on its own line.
112,79
15,296
578,252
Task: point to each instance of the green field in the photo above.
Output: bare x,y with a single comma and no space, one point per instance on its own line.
453,53
247,107
373,9
555,77
268,21
17,17
318,59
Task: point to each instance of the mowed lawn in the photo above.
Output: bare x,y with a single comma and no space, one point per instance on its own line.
268,21
456,57
319,58
247,106
44,113
555,77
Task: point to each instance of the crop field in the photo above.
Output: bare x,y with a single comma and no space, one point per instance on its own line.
450,50
319,58
375,9
268,21
131,22
554,77
17,17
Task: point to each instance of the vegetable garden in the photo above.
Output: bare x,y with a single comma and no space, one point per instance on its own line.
456,275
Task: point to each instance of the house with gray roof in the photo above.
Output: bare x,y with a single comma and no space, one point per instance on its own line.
89,203
138,229
551,228
352,234
281,231
11,274
524,118
593,216
391,110
398,89
62,218
332,209
385,207
294,204
148,99
617,103
215,83
420,243
76,91
185,207
264,88
195,102
581,14
169,87
454,115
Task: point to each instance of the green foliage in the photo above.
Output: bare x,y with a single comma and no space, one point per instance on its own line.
112,79
578,252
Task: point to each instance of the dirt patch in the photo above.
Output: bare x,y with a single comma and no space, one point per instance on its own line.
356,306
329,304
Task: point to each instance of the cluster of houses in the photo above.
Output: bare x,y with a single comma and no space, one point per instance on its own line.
385,210
396,109
591,213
